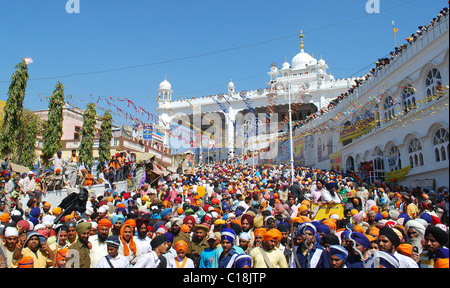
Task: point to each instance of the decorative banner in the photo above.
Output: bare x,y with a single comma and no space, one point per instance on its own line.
396,175
336,161
326,210
357,129
298,151
393,160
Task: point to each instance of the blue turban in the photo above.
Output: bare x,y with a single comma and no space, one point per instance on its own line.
243,260
35,212
228,234
166,212
378,217
331,185
118,217
322,228
405,216
427,217
123,210
338,251
34,221
345,234
225,206
361,239
304,227
169,237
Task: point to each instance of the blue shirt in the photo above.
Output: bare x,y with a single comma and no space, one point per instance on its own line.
225,259
207,258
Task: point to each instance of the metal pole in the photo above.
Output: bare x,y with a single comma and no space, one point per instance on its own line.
290,135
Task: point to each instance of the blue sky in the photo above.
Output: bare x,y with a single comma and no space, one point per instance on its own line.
240,40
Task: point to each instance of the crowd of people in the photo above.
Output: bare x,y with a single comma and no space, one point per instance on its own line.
231,215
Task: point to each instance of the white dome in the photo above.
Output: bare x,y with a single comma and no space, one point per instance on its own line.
321,62
286,65
165,85
231,85
301,60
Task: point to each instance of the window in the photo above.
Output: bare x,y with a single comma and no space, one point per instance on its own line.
408,99
350,164
432,84
440,144
415,153
389,111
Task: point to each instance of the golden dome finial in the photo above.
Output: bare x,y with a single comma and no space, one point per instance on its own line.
301,39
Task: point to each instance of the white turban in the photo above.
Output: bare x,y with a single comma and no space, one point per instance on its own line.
245,236
11,232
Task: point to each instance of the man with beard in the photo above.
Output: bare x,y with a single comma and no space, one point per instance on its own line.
99,248
11,239
199,241
389,241
143,241
79,251
247,221
415,231
176,231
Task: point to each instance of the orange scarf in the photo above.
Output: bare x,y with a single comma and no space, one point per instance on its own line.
131,245
182,264
71,158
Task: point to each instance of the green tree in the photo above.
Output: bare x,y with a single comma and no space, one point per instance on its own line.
88,132
54,129
105,140
12,118
25,151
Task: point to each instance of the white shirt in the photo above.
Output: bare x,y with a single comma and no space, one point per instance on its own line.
327,196
147,260
143,244
170,254
98,250
119,262
405,261
189,263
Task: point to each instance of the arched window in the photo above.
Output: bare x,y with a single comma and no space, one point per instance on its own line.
440,145
408,99
432,84
415,153
350,164
394,160
389,110
378,167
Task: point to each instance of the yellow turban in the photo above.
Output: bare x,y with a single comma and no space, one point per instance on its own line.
302,208
56,211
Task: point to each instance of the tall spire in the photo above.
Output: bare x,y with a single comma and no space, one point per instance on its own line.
301,40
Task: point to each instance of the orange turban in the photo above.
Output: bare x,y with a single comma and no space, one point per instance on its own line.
358,228
374,208
330,223
374,231
261,231
185,228
122,205
272,234
180,210
441,263
370,237
4,217
62,254
104,222
302,208
181,245
405,249
131,245
385,214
